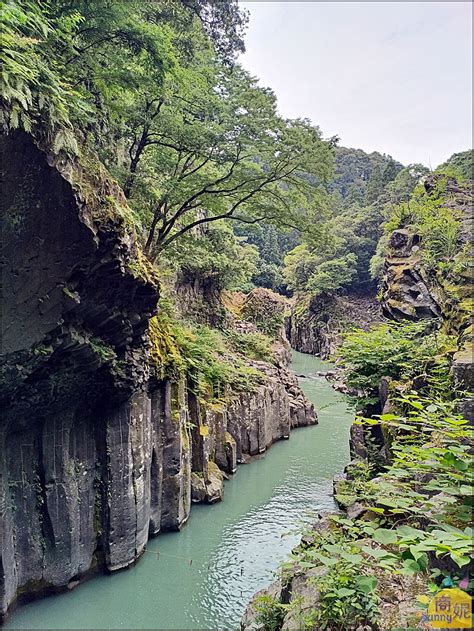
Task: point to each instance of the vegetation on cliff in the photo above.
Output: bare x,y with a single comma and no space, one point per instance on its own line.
223,193
407,532
408,500
154,89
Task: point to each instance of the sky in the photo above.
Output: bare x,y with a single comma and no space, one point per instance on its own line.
394,77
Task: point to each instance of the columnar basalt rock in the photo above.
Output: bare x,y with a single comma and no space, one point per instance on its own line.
97,452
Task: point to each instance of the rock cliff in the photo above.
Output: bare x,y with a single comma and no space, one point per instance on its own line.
99,450
315,323
410,291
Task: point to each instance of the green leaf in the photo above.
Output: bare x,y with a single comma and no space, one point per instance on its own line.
385,536
344,591
329,561
378,553
407,532
460,561
410,566
388,417
352,558
378,510
366,584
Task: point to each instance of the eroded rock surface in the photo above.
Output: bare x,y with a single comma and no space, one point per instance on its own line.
411,292
316,323
97,451
407,290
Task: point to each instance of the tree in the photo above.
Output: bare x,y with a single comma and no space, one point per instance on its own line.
79,61
214,256
153,88
400,189
354,171
300,265
218,150
332,275
459,165
308,271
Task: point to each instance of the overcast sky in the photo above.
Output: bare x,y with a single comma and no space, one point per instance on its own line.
394,77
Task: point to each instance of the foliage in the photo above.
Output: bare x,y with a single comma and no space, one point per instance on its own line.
273,244
358,171
105,352
416,519
305,271
347,589
188,133
270,612
433,218
396,350
377,261
416,515
216,256
227,155
33,91
429,436
348,597
365,188
352,227
436,223
459,165
401,188
333,274
212,361
251,345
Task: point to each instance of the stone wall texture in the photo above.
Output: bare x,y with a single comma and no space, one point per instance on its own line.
96,452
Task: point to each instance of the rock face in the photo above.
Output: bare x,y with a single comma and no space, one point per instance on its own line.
410,292
97,452
315,323
406,287
199,300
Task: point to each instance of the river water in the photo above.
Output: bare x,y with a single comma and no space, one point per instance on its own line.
203,577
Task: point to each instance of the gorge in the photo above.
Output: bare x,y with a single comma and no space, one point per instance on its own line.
234,546
233,351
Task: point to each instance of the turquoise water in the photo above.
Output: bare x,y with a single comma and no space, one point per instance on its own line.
204,576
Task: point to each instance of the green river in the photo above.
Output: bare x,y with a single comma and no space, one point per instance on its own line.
204,576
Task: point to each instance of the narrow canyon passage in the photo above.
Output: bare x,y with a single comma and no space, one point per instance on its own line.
234,546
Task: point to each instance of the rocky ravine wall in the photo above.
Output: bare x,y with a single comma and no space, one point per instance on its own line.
316,323
98,453
410,292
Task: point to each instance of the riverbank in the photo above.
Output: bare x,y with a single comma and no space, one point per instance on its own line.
204,576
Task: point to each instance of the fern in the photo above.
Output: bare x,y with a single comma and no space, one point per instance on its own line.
31,84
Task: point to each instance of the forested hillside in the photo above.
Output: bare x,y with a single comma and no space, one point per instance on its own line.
155,91
169,238
405,536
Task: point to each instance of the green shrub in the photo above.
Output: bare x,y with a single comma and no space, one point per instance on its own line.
348,598
270,612
396,350
428,216
209,363
251,345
